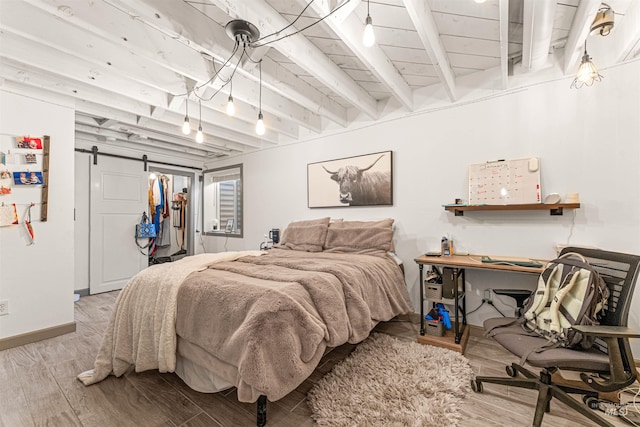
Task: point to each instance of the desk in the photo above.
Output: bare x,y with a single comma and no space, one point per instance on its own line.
459,263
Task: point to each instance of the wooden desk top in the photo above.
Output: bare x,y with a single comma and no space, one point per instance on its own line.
475,261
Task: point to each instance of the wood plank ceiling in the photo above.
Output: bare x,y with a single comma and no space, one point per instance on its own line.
134,67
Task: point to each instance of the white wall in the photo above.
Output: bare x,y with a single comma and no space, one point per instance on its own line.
588,142
38,279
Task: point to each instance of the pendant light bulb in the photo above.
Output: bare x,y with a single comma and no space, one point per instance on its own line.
260,125
186,127
369,37
199,135
231,109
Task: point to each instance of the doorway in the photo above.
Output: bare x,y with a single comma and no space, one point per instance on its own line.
171,210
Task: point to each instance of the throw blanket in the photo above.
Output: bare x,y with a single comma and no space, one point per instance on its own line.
141,331
263,323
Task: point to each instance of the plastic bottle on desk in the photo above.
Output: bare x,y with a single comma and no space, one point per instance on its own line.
445,249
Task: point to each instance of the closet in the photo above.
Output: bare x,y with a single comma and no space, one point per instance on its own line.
168,210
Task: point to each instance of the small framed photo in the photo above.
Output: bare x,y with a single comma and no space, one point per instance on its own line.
28,142
27,178
229,227
30,158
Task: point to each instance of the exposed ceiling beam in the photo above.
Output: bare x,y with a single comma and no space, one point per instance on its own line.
350,31
626,35
175,145
580,28
425,25
192,155
302,52
504,43
537,31
79,75
120,107
344,11
166,125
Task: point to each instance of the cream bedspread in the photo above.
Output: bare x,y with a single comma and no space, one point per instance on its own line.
263,323
141,331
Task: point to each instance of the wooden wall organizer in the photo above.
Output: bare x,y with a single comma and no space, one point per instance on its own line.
45,178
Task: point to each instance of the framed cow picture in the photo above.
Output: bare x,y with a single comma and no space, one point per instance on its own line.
364,180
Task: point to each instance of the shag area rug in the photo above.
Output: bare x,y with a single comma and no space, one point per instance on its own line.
390,382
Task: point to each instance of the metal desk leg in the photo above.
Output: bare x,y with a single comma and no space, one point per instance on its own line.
464,299
420,266
456,326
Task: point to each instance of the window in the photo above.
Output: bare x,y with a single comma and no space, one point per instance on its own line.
222,201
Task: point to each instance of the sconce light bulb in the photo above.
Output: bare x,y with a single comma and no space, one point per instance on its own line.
260,125
199,135
186,127
369,37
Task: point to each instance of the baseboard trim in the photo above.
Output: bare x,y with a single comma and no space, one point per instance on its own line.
82,292
39,335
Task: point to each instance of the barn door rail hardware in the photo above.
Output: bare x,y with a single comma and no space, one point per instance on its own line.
144,159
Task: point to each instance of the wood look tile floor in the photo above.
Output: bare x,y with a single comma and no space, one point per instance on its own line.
38,386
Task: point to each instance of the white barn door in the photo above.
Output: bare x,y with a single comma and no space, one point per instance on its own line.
119,195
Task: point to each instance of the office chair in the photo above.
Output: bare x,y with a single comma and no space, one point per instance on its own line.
607,367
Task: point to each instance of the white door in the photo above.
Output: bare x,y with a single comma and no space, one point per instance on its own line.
119,195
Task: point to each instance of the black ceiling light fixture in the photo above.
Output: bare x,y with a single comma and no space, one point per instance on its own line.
246,36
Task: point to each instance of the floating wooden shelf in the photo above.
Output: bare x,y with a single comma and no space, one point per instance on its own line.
554,209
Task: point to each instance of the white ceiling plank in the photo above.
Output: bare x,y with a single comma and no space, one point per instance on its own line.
350,31
578,33
424,23
537,29
504,43
301,51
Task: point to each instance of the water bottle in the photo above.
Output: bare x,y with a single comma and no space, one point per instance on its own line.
445,249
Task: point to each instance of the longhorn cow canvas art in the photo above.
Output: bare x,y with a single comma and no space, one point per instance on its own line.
364,180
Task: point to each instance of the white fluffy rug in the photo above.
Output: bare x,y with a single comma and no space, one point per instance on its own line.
390,382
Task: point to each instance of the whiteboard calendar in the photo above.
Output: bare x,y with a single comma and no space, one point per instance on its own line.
505,182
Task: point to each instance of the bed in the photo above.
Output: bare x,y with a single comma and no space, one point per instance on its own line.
257,320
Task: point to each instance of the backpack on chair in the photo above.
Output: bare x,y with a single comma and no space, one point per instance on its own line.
570,292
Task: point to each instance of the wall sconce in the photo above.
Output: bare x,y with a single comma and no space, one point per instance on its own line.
603,22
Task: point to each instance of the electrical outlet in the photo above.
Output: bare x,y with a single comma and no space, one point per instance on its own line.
4,307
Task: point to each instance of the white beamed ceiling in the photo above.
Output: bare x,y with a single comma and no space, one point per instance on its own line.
130,63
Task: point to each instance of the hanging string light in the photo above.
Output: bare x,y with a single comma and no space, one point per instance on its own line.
260,124
186,127
231,109
199,135
368,37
